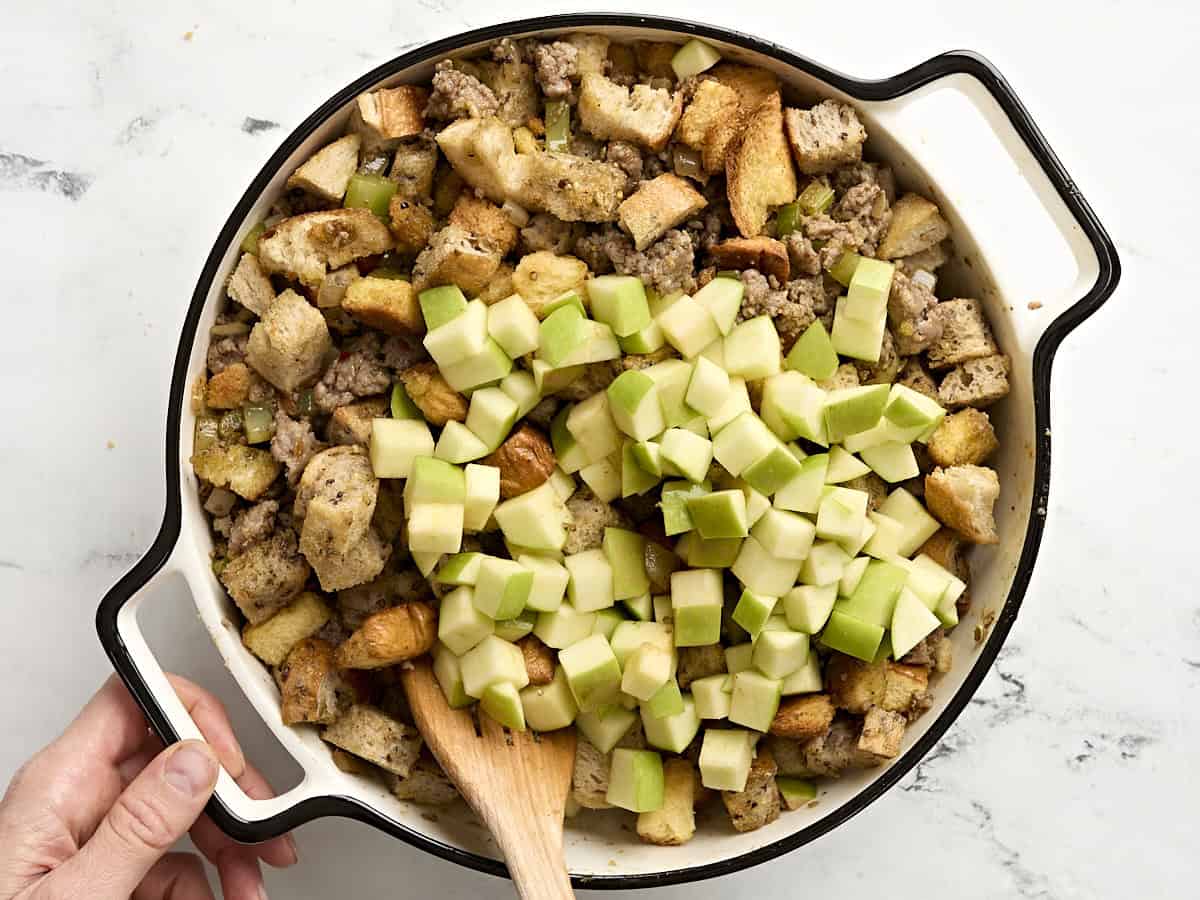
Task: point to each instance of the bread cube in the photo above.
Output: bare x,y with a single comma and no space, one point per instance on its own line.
388,304
825,137
289,344
963,498
326,174
657,206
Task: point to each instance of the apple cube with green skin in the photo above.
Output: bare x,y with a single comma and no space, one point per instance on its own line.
757,504
911,623
533,519
672,377
674,732
919,526
875,596
708,388
777,654
870,285
604,478
697,597
718,553
710,697
825,563
721,514
434,481
885,431
549,379
907,408
395,443
803,493
763,573
490,661
461,626
402,405
774,471
947,611
635,780
620,302
600,345
591,423
607,621
805,680
592,671
459,338
892,462
514,326
688,326
648,456
752,612
563,484
626,553
502,587
486,367
604,727
843,466
808,606
885,542
755,700
634,479
648,340
512,630
736,403
435,527
855,546
570,298
569,453
564,626
441,304
726,755
794,406
523,389
927,580
561,333
662,609
458,444
628,636
841,515
854,409
852,636
459,569
796,792
502,701
851,575
425,562
667,701
722,297
634,405
784,535
549,707
752,349
674,504
448,672
743,442
641,608
591,584
855,337
813,354
491,415
739,658
647,669
688,452
482,495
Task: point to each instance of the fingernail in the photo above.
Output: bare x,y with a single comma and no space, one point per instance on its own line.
291,842
191,769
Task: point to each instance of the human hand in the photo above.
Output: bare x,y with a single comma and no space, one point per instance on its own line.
95,813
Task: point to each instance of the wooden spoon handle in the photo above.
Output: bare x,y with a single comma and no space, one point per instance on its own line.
535,861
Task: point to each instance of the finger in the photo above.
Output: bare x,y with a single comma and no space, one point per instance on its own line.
108,729
241,878
148,817
210,840
213,721
177,876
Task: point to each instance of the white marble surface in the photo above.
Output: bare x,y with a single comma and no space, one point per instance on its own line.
122,147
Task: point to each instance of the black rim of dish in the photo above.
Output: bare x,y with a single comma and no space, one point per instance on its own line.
954,62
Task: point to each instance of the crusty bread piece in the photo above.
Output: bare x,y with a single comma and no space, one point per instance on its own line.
758,803
882,733
977,382
412,224
836,750
825,137
654,57
752,86
266,577
916,226
759,170
854,685
914,375
351,424
426,783
383,117
642,114
965,334
589,783
247,471
516,89
930,259
303,247
327,172
673,823
390,637
389,304
657,206
230,387
803,717
482,153
904,688
699,662
371,734
272,640
711,104
438,402
485,220
789,756
766,254
539,659
455,256
499,286
963,438
541,277
360,563
413,168
289,344
250,286
341,474
311,688
964,498
525,460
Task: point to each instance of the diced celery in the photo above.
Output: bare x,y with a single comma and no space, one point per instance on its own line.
693,58
250,241
205,433
843,270
787,219
815,199
558,125
258,421
372,192
402,405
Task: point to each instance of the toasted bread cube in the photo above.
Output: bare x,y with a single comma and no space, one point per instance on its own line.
351,424
882,733
455,256
642,115
266,577
759,170
711,104
525,460
358,564
570,187
371,734
589,782
752,86
657,206
541,277
482,152
389,637
539,660
825,137
272,640
965,334
289,344
426,784
964,438
438,402
339,487
327,172
388,304
758,804
674,822
247,471
964,497
803,717
654,57
789,756
853,685
930,260
500,287
699,662
349,763
230,387
916,226
978,382
250,286
413,168
837,750
485,220
311,688
303,247
766,254
411,224
916,376
385,116
904,687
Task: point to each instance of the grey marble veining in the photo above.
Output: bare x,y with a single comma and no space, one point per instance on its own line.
128,130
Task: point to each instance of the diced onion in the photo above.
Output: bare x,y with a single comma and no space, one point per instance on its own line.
687,163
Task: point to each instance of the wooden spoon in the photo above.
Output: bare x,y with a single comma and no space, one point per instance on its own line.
516,781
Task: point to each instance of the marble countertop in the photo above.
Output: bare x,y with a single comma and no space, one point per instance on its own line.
128,130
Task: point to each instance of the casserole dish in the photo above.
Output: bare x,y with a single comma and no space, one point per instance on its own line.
1027,245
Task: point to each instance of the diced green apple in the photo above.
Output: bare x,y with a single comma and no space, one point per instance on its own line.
892,462
592,671
490,661
851,575
395,443
774,471
718,553
502,587
722,297
569,453
549,707
687,452
796,792
620,302
672,377
854,409
752,611
841,515
708,388
763,573
601,345
635,780
514,326
738,658
604,727
647,670
805,680
843,466
591,584
634,404
777,654
435,527
648,340
911,623
604,478
726,755
874,599
867,293
697,598
813,354
441,304
435,481
564,626
562,333
693,58
533,519
402,405
784,535
752,349
491,416
743,442
736,403
459,569
634,478
688,326
907,408
674,504
851,636
857,338
502,702
919,526
721,514
458,444
825,563
448,672
591,423
793,406
885,542
803,493
808,606
459,338
626,553
630,635
675,731
711,698
607,621
486,367
512,630
755,700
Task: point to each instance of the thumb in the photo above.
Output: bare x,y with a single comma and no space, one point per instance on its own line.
155,811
